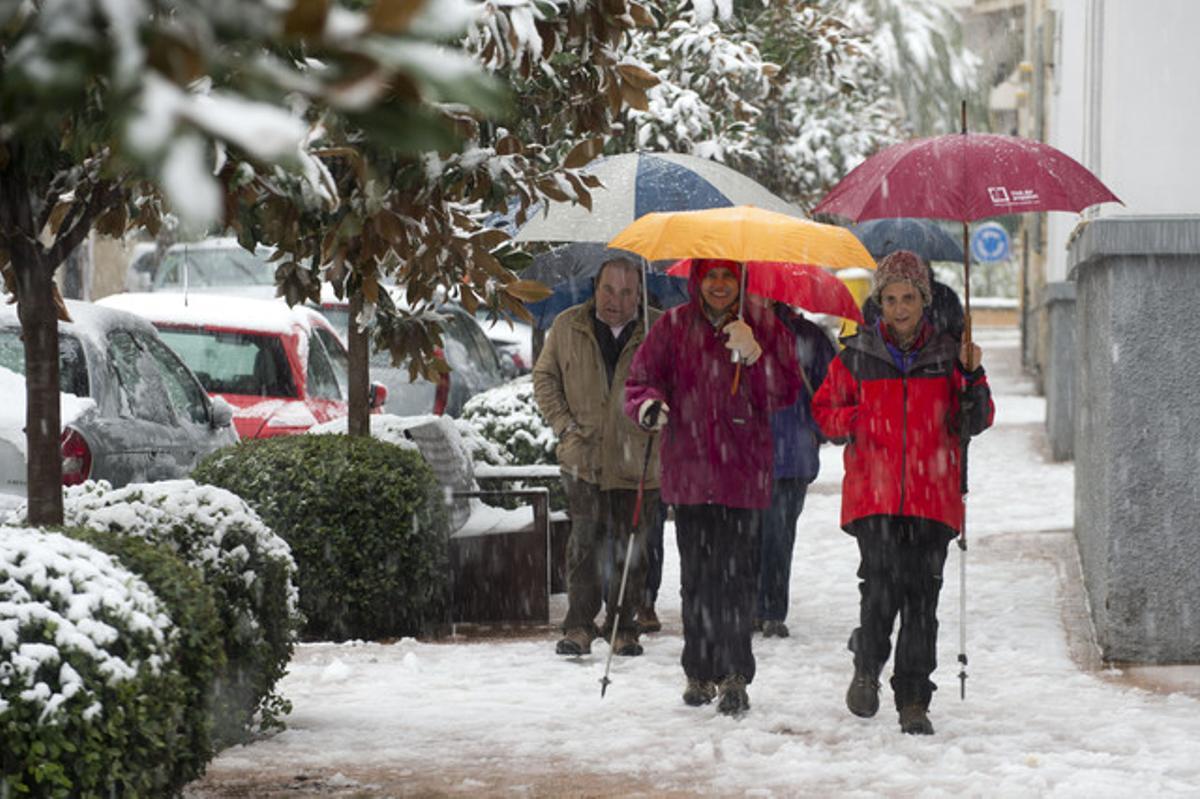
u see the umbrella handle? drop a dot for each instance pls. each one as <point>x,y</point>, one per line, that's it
<point>737,376</point>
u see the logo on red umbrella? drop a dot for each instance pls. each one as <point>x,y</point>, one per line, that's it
<point>999,195</point>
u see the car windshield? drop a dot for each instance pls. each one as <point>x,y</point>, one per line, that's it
<point>204,267</point>
<point>230,362</point>
<point>72,368</point>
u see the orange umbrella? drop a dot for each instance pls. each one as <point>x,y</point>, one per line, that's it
<point>742,233</point>
<point>757,238</point>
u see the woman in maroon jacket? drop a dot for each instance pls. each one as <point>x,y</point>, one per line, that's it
<point>717,456</point>
<point>894,397</point>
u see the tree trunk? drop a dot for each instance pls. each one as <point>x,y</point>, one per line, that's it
<point>359,344</point>
<point>39,332</point>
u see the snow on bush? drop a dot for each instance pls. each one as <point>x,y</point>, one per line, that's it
<point>508,417</point>
<point>249,567</point>
<point>92,698</point>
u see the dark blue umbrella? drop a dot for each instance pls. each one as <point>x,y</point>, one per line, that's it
<point>666,290</point>
<point>924,237</point>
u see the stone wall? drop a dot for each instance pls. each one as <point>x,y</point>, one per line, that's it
<point>1137,434</point>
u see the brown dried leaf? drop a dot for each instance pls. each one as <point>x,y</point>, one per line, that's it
<point>509,145</point>
<point>528,290</point>
<point>634,97</point>
<point>637,77</point>
<point>392,16</point>
<point>583,152</point>
<point>57,215</point>
<point>306,19</point>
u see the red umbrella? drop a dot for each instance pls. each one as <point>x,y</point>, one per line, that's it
<point>965,177</point>
<point>803,285</point>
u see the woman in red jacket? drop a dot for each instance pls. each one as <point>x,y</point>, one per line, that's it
<point>717,463</point>
<point>894,396</point>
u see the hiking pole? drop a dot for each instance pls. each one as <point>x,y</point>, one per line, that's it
<point>964,438</point>
<point>637,512</point>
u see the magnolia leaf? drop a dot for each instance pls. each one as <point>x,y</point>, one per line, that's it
<point>642,16</point>
<point>392,16</point>
<point>528,290</point>
<point>58,214</point>
<point>583,152</point>
<point>509,145</point>
<point>489,238</point>
<point>637,76</point>
<point>550,187</point>
<point>113,222</point>
<point>306,18</point>
<point>581,193</point>
<point>634,97</point>
<point>370,288</point>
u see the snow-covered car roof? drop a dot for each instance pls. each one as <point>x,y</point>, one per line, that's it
<point>88,320</point>
<point>242,313</point>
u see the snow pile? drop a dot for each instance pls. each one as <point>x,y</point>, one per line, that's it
<point>62,602</point>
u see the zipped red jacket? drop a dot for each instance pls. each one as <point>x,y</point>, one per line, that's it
<point>901,429</point>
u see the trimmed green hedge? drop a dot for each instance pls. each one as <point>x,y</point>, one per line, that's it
<point>102,693</point>
<point>366,523</point>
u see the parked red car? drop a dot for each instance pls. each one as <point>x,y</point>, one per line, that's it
<point>282,369</point>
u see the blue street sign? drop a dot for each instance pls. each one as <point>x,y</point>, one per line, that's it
<point>989,242</point>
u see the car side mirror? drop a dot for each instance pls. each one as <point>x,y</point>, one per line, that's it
<point>222,412</point>
<point>377,397</point>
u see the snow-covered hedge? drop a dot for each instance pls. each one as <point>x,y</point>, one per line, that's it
<point>508,416</point>
<point>249,568</point>
<point>366,523</point>
<point>101,693</point>
<point>507,419</point>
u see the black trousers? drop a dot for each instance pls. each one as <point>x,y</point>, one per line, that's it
<point>718,565</point>
<point>900,573</point>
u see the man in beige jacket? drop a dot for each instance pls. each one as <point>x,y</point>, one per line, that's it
<point>579,386</point>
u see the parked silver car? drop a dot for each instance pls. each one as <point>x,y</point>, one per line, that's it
<point>148,417</point>
<point>475,365</point>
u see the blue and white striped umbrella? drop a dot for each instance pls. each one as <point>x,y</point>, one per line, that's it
<point>636,184</point>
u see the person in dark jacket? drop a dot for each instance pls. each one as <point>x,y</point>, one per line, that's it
<point>945,311</point>
<point>897,395</point>
<point>579,386</point>
<point>716,463</point>
<point>797,463</point>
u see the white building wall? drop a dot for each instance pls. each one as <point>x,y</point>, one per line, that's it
<point>1126,104</point>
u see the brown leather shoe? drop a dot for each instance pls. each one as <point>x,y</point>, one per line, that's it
<point>627,644</point>
<point>647,620</point>
<point>577,641</point>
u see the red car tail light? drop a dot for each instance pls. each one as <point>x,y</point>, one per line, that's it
<point>77,457</point>
<point>442,395</point>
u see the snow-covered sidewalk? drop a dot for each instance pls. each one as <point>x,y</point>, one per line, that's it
<point>510,717</point>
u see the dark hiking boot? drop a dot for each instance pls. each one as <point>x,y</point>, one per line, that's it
<point>699,692</point>
<point>775,629</point>
<point>734,699</point>
<point>647,620</point>
<point>862,697</point>
<point>627,644</point>
<point>915,721</point>
<point>577,641</point>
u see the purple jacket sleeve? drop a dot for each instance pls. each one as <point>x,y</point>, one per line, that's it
<point>780,368</point>
<point>647,374</point>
